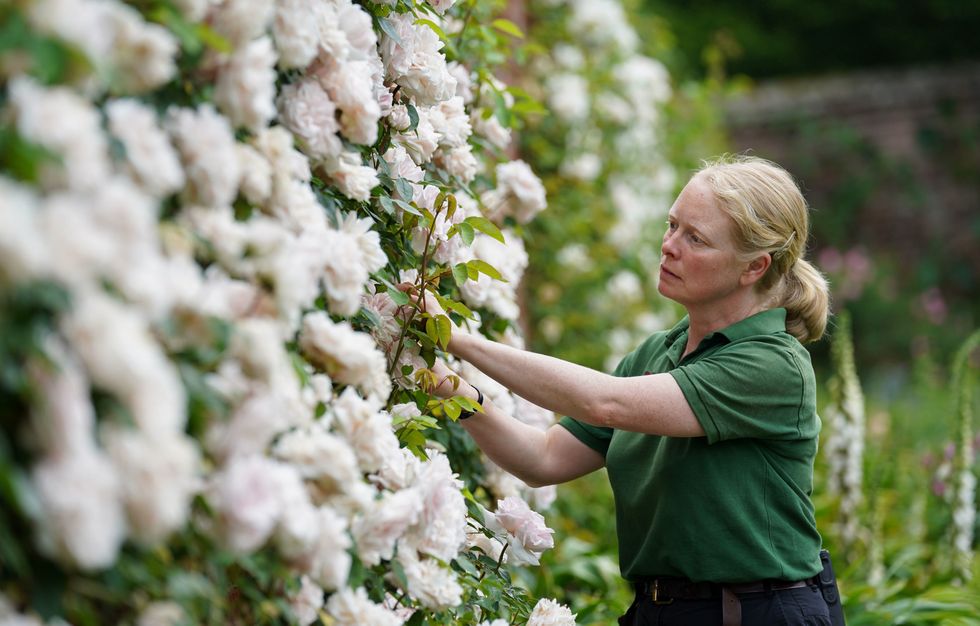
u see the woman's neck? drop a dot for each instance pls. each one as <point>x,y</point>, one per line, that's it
<point>703,322</point>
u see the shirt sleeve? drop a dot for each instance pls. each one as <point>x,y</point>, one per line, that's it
<point>598,437</point>
<point>750,390</point>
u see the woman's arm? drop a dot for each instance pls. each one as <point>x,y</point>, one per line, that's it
<point>538,457</point>
<point>651,404</point>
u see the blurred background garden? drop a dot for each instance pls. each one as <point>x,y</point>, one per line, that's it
<point>873,106</point>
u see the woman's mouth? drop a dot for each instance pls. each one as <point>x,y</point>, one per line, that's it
<point>666,272</point>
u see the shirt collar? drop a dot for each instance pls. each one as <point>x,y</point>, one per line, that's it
<point>763,323</point>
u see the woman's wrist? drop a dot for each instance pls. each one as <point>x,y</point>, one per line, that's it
<point>458,341</point>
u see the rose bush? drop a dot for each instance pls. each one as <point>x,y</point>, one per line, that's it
<point>214,405</point>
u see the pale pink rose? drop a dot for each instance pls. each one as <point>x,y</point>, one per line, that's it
<point>82,23</point>
<point>568,96</point>
<point>81,520</point>
<point>492,130</point>
<point>351,86</point>
<point>123,357</point>
<point>388,330</point>
<point>401,165</point>
<point>306,601</point>
<point>344,271</point>
<point>519,192</point>
<point>162,613</point>
<point>441,6</point>
<point>246,86</point>
<point>296,31</point>
<point>464,83</point>
<point>354,179</point>
<point>528,526</point>
<point>383,523</point>
<point>451,122</point>
<point>548,612</point>
<point>368,240</point>
<point>435,586</point>
<point>241,21</point>
<point>348,356</point>
<point>63,418</point>
<point>441,529</point>
<point>207,148</point>
<point>320,456</point>
<point>256,183</point>
<point>143,52</point>
<point>399,470</point>
<point>309,113</point>
<point>356,25</point>
<point>248,494</point>
<point>69,126</point>
<point>162,476</point>
<point>368,430</point>
<point>328,562</point>
<point>459,162</point>
<point>151,159</point>
<point>23,246</point>
<point>352,607</point>
<point>416,63</point>
<point>421,142</point>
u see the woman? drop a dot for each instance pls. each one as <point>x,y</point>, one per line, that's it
<point>708,430</point>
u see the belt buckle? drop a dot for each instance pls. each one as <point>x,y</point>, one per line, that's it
<point>655,596</point>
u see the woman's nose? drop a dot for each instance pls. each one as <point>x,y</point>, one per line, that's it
<point>668,246</point>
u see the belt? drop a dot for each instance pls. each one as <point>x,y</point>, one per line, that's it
<point>666,590</point>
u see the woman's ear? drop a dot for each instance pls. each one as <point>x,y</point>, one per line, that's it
<point>756,269</point>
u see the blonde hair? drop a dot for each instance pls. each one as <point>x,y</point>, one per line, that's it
<point>770,215</point>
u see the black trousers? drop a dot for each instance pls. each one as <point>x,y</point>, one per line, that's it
<point>803,606</point>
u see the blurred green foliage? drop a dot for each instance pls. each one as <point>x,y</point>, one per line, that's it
<point>780,37</point>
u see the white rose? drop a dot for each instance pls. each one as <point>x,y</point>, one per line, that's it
<point>308,112</point>
<point>246,85</point>
<point>207,148</point>
<point>152,160</point>
<point>81,519</point>
<point>548,612</point>
<point>350,607</point>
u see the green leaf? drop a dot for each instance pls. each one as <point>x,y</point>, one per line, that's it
<point>460,273</point>
<point>444,328</point>
<point>431,330</point>
<point>386,204</point>
<point>404,189</point>
<point>413,116</point>
<point>466,232</point>
<point>407,207</point>
<point>453,205</point>
<point>485,226</point>
<point>508,27</point>
<point>389,30</point>
<point>453,305</point>
<point>452,409</point>
<point>400,297</point>
<point>485,268</point>
<point>435,28</point>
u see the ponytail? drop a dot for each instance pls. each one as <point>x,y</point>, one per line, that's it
<point>806,300</point>
<point>771,215</point>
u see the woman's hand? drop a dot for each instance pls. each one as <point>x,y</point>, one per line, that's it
<point>448,382</point>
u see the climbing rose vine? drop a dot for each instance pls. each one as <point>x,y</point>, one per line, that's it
<point>213,394</point>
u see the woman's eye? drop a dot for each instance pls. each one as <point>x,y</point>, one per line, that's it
<point>696,239</point>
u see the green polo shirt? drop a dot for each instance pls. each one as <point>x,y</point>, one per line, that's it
<point>733,506</point>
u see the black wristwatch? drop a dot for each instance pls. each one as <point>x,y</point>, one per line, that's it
<point>464,414</point>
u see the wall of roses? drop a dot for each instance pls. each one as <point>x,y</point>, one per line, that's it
<point>212,393</point>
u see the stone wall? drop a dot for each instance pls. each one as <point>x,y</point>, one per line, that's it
<point>889,160</point>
